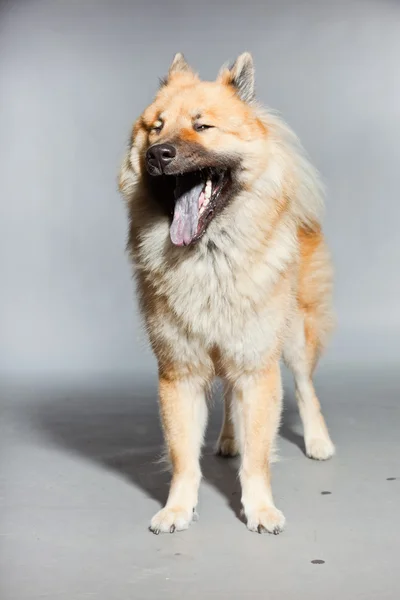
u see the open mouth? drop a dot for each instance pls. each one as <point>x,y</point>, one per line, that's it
<point>196,198</point>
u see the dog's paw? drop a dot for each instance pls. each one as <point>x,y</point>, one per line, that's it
<point>170,519</point>
<point>227,446</point>
<point>267,519</point>
<point>320,448</point>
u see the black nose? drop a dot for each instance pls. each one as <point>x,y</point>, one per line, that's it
<point>158,157</point>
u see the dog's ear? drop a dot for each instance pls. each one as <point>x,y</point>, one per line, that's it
<point>240,76</point>
<point>178,65</point>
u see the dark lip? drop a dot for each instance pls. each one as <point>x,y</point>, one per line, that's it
<point>181,173</point>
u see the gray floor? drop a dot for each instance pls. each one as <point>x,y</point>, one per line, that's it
<point>79,485</point>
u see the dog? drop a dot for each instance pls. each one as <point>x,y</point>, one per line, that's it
<point>232,275</point>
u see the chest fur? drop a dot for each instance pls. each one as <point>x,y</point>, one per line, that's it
<point>224,297</point>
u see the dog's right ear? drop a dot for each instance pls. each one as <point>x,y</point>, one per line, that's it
<point>179,65</point>
<point>240,76</point>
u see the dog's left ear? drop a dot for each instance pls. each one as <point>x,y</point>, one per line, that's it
<point>240,76</point>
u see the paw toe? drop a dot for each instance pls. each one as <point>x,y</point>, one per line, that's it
<point>266,520</point>
<point>227,447</point>
<point>169,520</point>
<point>320,448</point>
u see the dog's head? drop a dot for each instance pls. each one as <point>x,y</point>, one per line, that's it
<point>198,144</point>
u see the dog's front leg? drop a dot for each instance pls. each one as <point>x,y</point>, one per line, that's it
<point>257,409</point>
<point>183,410</point>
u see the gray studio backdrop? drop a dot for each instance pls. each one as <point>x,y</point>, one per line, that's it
<point>74,75</point>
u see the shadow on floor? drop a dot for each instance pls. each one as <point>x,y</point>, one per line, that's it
<point>290,424</point>
<point>122,432</point>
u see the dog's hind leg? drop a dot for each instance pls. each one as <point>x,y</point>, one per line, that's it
<point>301,355</point>
<point>227,444</point>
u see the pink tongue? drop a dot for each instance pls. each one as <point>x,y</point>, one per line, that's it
<point>186,216</point>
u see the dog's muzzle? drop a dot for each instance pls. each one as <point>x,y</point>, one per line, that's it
<point>158,157</point>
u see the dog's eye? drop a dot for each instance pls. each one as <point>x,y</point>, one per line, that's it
<point>157,126</point>
<point>201,127</point>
